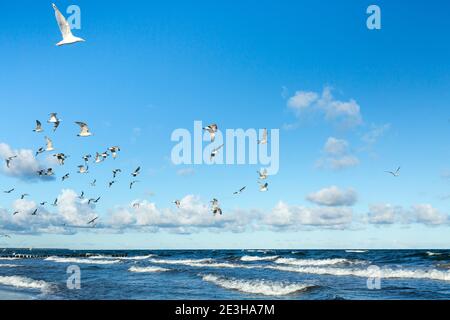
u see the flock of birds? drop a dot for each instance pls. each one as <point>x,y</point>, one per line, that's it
<point>69,38</point>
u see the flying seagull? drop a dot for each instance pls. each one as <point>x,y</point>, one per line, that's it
<point>38,127</point>
<point>34,212</point>
<point>264,187</point>
<point>64,27</point>
<point>61,157</point>
<point>15,213</point>
<point>84,130</point>
<point>49,172</point>
<point>86,158</point>
<point>55,203</point>
<point>9,191</point>
<point>8,161</point>
<point>50,146</point>
<point>136,172</point>
<point>40,150</point>
<point>83,169</point>
<point>212,129</point>
<point>240,190</point>
<point>23,196</point>
<point>93,220</point>
<point>215,152</point>
<point>94,200</point>
<point>114,151</point>
<point>65,177</point>
<point>215,207</point>
<point>81,195</point>
<point>115,172</point>
<point>111,183</point>
<point>93,183</point>
<point>132,183</point>
<point>396,173</point>
<point>264,139</point>
<point>53,118</point>
<point>136,205</point>
<point>263,174</point>
<point>99,158</point>
<point>56,125</point>
<point>178,203</point>
<point>43,203</point>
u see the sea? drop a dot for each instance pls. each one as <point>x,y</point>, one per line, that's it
<point>225,275</point>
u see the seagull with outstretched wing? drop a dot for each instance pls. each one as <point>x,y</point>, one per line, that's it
<point>38,127</point>
<point>84,129</point>
<point>64,27</point>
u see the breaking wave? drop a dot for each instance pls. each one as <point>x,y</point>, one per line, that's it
<point>259,287</point>
<point>256,258</point>
<point>312,262</point>
<point>356,251</point>
<point>201,263</point>
<point>25,283</point>
<point>82,261</point>
<point>147,269</point>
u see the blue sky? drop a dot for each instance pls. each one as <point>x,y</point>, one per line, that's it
<point>149,68</point>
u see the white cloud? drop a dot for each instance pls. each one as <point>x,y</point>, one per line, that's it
<point>345,112</point>
<point>384,214</point>
<point>334,197</point>
<point>426,214</point>
<point>337,155</point>
<point>295,217</point>
<point>24,167</point>
<point>375,133</point>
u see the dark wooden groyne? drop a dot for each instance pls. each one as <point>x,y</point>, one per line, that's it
<point>45,256</point>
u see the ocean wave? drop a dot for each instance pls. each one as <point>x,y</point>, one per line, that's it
<point>102,257</point>
<point>431,254</point>
<point>202,263</point>
<point>9,266</point>
<point>257,258</point>
<point>8,259</point>
<point>25,283</point>
<point>147,269</point>
<point>356,251</point>
<point>313,262</point>
<point>82,260</point>
<point>259,287</point>
<point>386,273</point>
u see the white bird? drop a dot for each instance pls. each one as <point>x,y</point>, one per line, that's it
<point>61,157</point>
<point>263,175</point>
<point>84,130</point>
<point>212,129</point>
<point>136,172</point>
<point>49,146</point>
<point>38,127</point>
<point>215,152</point>
<point>396,173</point>
<point>98,158</point>
<point>264,187</point>
<point>83,169</point>
<point>87,157</point>
<point>215,207</point>
<point>53,118</point>
<point>8,161</point>
<point>178,203</point>
<point>264,139</point>
<point>64,27</point>
<point>114,151</point>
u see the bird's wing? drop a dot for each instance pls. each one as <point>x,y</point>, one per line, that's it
<point>62,23</point>
<point>84,127</point>
<point>49,143</point>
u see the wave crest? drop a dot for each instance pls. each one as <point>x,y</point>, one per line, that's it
<point>147,269</point>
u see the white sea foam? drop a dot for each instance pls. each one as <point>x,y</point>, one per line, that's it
<point>259,287</point>
<point>202,263</point>
<point>257,258</point>
<point>433,253</point>
<point>147,269</point>
<point>313,262</point>
<point>102,257</point>
<point>9,266</point>
<point>25,283</point>
<point>356,251</point>
<point>9,259</point>
<point>386,273</point>
<point>81,260</point>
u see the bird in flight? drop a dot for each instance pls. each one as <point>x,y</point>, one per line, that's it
<point>178,203</point>
<point>212,129</point>
<point>83,169</point>
<point>215,152</point>
<point>132,183</point>
<point>38,127</point>
<point>84,130</point>
<point>34,212</point>
<point>64,27</point>
<point>114,151</point>
<point>40,150</point>
<point>94,200</point>
<point>93,220</point>
<point>49,144</point>
<point>263,175</point>
<point>264,139</point>
<point>54,120</point>
<point>65,177</point>
<point>61,157</point>
<point>215,207</point>
<point>43,203</point>
<point>24,196</point>
<point>9,160</point>
<point>264,187</point>
<point>81,195</point>
<point>115,172</point>
<point>136,172</point>
<point>55,203</point>
<point>15,213</point>
<point>86,158</point>
<point>93,183</point>
<point>111,183</point>
<point>240,191</point>
<point>100,157</point>
<point>396,173</point>
<point>9,191</point>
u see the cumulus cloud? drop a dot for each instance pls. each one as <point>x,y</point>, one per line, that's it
<point>334,197</point>
<point>345,112</point>
<point>426,214</point>
<point>284,216</point>
<point>24,167</point>
<point>193,215</point>
<point>337,155</point>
